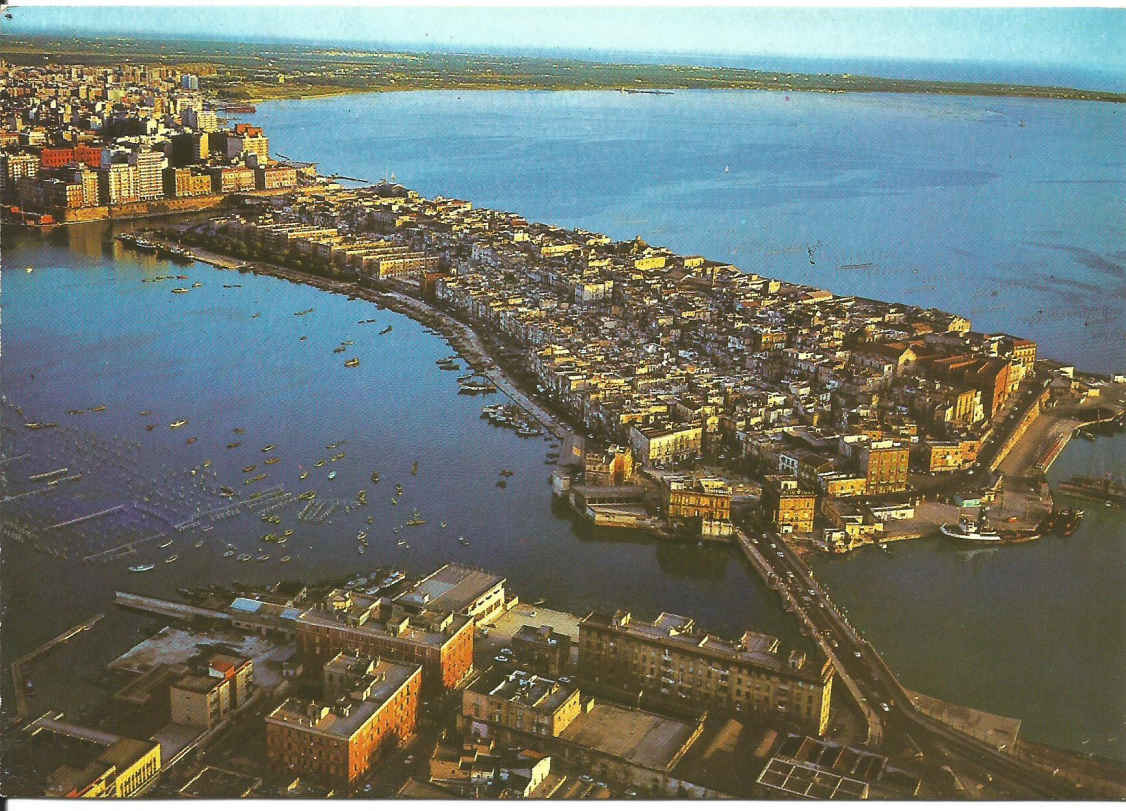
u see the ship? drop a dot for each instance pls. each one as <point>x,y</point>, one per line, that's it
<point>143,567</point>
<point>352,363</point>
<point>971,530</point>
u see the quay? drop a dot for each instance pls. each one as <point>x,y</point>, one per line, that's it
<point>17,666</point>
<point>167,608</point>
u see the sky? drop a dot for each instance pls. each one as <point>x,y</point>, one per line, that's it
<point>1076,37</point>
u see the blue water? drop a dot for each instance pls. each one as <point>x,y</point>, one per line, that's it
<point>1007,211</point>
<point>954,188</point>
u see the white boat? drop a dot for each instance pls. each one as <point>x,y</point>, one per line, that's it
<point>143,567</point>
<point>970,530</point>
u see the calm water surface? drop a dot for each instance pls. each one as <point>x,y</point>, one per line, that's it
<point>1001,209</point>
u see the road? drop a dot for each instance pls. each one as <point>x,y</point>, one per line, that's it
<point>902,727</point>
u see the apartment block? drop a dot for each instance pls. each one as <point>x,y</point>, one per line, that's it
<point>674,665</point>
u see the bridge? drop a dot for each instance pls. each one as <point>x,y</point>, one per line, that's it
<point>871,682</point>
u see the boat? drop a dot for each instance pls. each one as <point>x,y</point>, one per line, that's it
<point>177,424</point>
<point>332,474</point>
<point>267,449</point>
<point>143,567</point>
<point>352,363</point>
<point>171,558</point>
<point>971,530</point>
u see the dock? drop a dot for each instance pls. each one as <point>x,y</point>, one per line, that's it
<point>18,665</point>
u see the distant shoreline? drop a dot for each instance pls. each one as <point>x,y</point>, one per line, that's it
<point>234,72</point>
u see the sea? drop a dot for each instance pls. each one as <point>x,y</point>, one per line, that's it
<point>1003,210</point>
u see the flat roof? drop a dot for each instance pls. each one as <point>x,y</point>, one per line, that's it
<point>675,631</point>
<point>451,588</point>
<point>295,713</point>
<point>640,737</point>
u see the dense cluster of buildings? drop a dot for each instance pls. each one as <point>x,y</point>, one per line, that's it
<point>674,358</point>
<point>78,142</point>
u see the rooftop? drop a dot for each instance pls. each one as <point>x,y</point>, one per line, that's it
<point>344,717</point>
<point>525,689</point>
<point>639,737</point>
<point>450,588</point>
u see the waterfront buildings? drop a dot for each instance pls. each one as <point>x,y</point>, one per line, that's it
<point>440,641</point>
<point>125,128</point>
<point>461,589</point>
<point>670,663</point>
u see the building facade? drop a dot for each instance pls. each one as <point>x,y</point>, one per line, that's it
<point>673,665</point>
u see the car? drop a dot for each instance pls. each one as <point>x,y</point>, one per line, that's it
<point>884,706</point>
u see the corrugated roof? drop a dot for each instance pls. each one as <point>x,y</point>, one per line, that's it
<point>245,604</point>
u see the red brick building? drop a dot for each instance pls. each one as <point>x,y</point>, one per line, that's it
<point>338,741</point>
<point>440,641</point>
